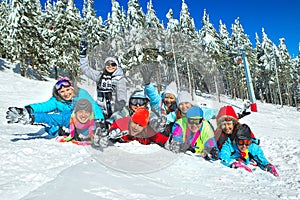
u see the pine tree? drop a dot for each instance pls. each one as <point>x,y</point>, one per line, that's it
<point>24,26</point>
<point>3,27</point>
<point>66,38</point>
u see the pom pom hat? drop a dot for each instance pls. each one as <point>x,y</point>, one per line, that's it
<point>83,104</point>
<point>184,96</point>
<point>171,89</point>
<point>194,112</point>
<point>227,112</point>
<point>141,116</point>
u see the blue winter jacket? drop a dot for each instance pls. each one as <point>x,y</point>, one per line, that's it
<point>230,153</point>
<point>56,113</point>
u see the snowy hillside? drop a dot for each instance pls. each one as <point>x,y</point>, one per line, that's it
<point>34,166</point>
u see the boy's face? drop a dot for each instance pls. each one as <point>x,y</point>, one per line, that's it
<point>135,128</point>
<point>82,116</point>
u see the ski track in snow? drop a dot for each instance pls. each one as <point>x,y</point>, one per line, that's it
<point>34,166</point>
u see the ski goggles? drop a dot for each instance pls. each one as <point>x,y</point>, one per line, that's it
<point>62,83</point>
<point>113,64</point>
<point>195,121</point>
<point>227,120</point>
<point>243,142</point>
<point>135,102</point>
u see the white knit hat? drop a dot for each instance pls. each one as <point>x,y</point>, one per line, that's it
<point>171,89</point>
<point>114,59</point>
<point>184,96</point>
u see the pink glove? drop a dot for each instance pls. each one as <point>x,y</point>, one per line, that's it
<point>272,169</point>
<point>240,165</point>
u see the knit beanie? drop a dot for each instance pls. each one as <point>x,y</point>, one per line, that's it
<point>83,104</point>
<point>194,112</point>
<point>113,59</point>
<point>243,132</point>
<point>141,116</point>
<point>184,96</point>
<point>171,89</point>
<point>226,112</point>
<point>139,94</point>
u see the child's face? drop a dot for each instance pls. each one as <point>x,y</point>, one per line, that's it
<point>184,106</point>
<point>243,145</point>
<point>169,99</point>
<point>194,124</point>
<point>135,128</point>
<point>66,93</point>
<point>82,116</point>
<point>227,127</point>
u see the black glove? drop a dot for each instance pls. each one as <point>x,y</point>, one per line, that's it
<point>83,48</point>
<point>146,71</point>
<point>19,115</point>
<point>243,114</point>
<point>158,124</point>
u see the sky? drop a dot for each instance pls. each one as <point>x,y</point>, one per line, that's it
<point>279,18</point>
<point>35,166</point>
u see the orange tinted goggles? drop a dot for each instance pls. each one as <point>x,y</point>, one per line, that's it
<point>244,142</point>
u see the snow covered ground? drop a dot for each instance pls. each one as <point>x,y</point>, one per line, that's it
<point>34,166</point>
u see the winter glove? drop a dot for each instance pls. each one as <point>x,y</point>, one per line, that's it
<point>83,48</point>
<point>19,115</point>
<point>158,124</point>
<point>238,164</point>
<point>117,133</point>
<point>211,153</point>
<point>243,114</point>
<point>101,134</point>
<point>146,72</point>
<point>63,131</point>
<point>174,146</point>
<point>272,169</point>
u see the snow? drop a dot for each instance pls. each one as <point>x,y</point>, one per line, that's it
<point>34,166</point>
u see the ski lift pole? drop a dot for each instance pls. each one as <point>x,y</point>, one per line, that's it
<point>249,83</point>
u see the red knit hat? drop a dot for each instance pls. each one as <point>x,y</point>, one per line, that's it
<point>226,111</point>
<point>141,116</point>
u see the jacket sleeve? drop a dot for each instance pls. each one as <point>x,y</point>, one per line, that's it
<point>121,91</point>
<point>159,139</point>
<point>72,126</point>
<point>177,133</point>
<point>258,156</point>
<point>88,71</point>
<point>152,93</point>
<point>45,107</point>
<point>225,154</point>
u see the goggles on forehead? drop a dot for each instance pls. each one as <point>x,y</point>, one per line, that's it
<point>243,142</point>
<point>226,122</point>
<point>194,121</point>
<point>62,83</point>
<point>136,101</point>
<point>109,63</point>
